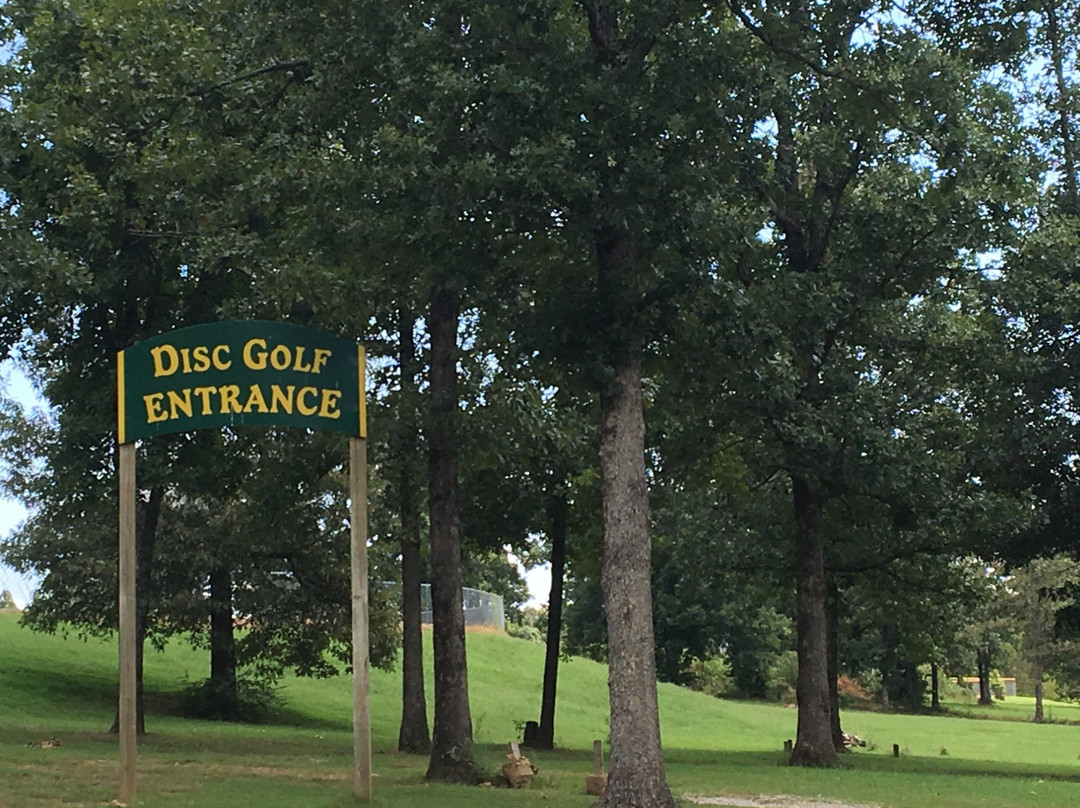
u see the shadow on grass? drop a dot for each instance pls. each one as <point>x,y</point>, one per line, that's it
<point>288,717</point>
<point>72,692</point>
<point>79,695</point>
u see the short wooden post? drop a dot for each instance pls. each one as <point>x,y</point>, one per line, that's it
<point>788,746</point>
<point>361,673</point>
<point>127,711</point>
<point>596,783</point>
<point>896,750</point>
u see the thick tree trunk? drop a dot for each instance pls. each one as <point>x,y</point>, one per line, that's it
<point>636,778</point>
<point>814,740</point>
<point>223,646</point>
<point>832,615</point>
<point>452,743</point>
<point>1037,673</point>
<point>982,662</point>
<point>144,559</point>
<point>935,690</point>
<point>413,736</point>
<point>545,734</point>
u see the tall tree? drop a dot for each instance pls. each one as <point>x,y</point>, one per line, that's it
<point>1040,590</point>
<point>844,140</point>
<point>451,748</point>
<point>413,736</point>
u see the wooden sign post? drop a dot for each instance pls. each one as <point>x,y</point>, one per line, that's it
<point>360,659</point>
<point>128,717</point>
<point>237,374</point>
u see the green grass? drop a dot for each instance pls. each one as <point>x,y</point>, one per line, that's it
<point>1019,708</point>
<point>56,688</point>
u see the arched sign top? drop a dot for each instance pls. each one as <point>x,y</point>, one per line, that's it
<point>237,373</point>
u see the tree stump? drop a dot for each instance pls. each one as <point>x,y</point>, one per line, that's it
<point>518,770</point>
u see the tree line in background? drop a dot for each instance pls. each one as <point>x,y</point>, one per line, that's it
<point>757,320</point>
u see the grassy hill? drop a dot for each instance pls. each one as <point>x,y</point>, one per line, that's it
<point>56,688</point>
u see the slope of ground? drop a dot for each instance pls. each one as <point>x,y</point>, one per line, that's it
<point>52,688</point>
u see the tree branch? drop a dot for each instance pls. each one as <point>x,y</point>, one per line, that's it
<point>277,67</point>
<point>786,50</point>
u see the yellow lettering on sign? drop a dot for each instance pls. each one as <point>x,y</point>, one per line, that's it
<point>204,394</point>
<point>299,366</point>
<point>280,357</point>
<point>255,400</point>
<point>216,358</point>
<point>166,360</point>
<point>321,355</point>
<point>301,407</point>
<point>230,398</point>
<point>328,407</point>
<point>255,360</point>
<point>201,355</point>
<point>154,412</point>
<point>282,398</point>
<point>178,403</point>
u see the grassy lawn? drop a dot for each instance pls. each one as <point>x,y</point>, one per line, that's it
<point>1019,708</point>
<point>65,689</point>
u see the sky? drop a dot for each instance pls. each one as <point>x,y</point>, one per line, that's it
<point>538,580</point>
<point>16,385</point>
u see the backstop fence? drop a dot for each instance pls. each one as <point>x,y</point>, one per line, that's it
<point>481,608</point>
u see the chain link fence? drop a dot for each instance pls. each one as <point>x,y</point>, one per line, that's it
<point>481,608</point>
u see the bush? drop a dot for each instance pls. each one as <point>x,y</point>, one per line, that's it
<point>950,689</point>
<point>782,677</point>
<point>711,675</point>
<point>851,694</point>
<point>256,701</point>
<point>525,632</point>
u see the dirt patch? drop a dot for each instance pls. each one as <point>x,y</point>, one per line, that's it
<point>774,801</point>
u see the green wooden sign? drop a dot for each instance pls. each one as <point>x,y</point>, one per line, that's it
<point>239,373</point>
